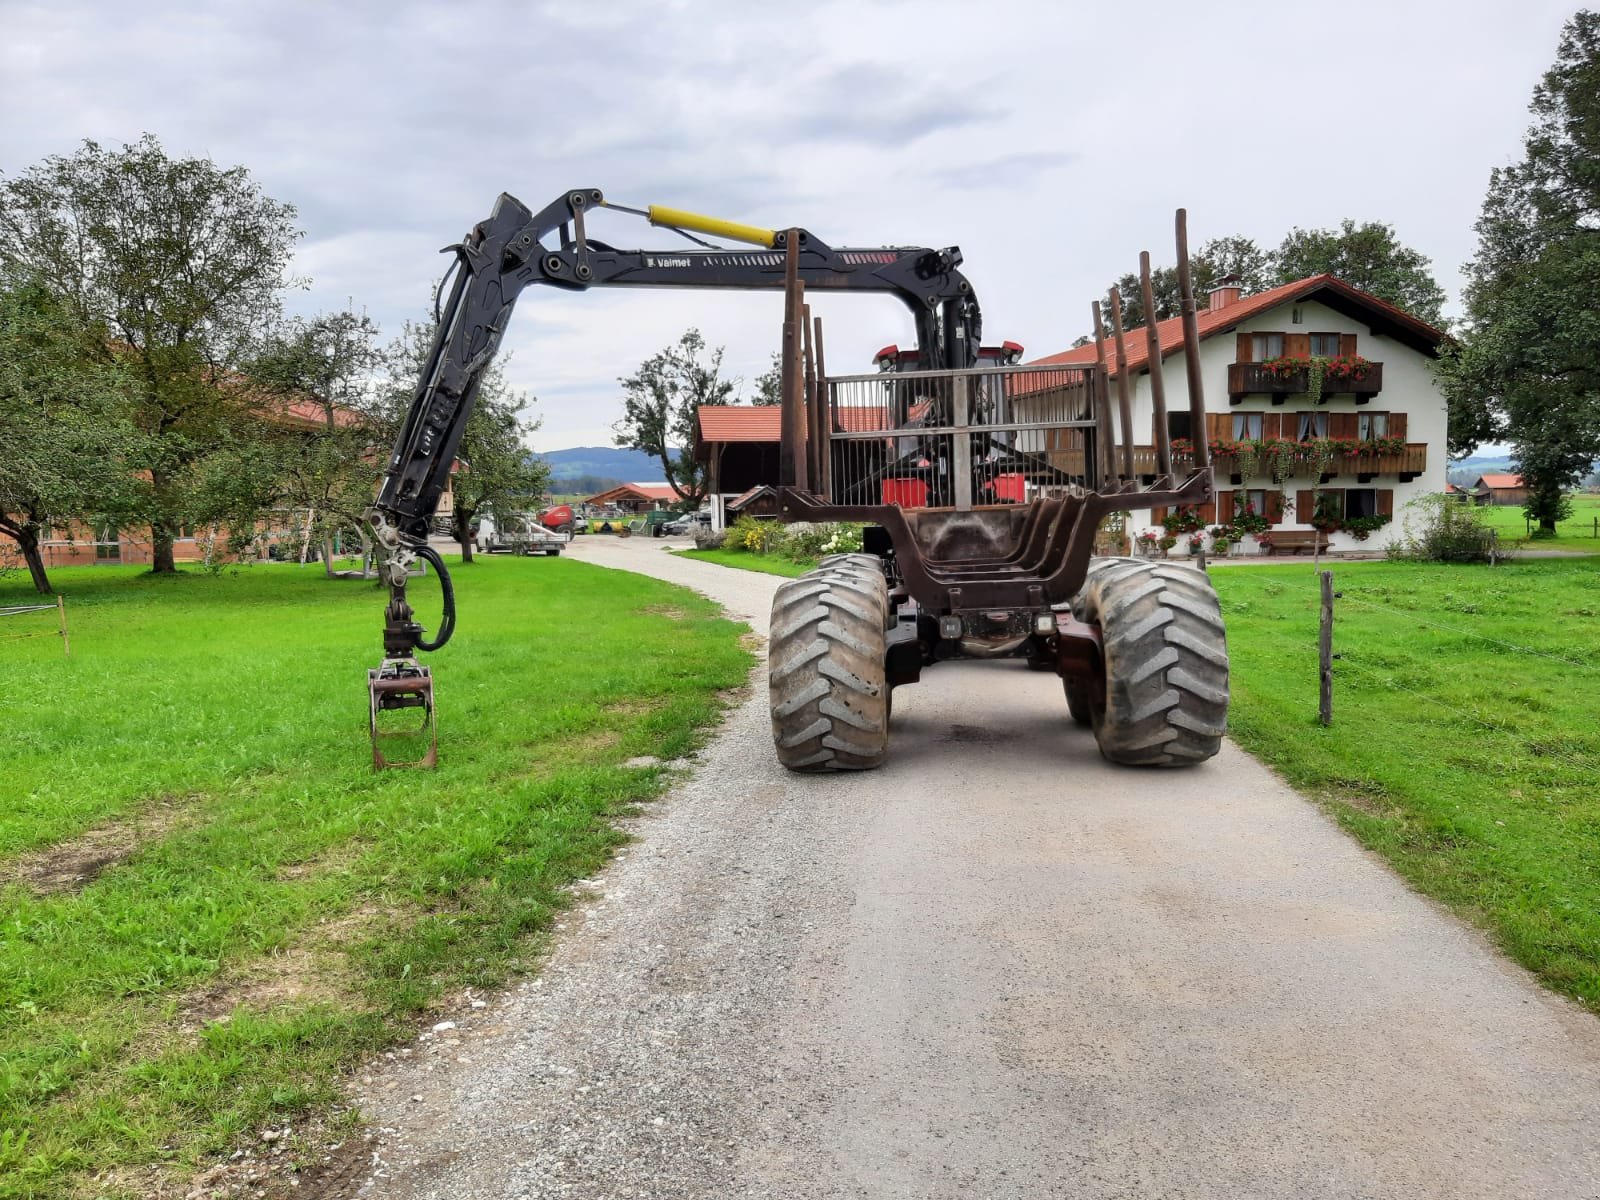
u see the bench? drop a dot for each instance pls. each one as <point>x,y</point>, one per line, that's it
<point>1296,541</point>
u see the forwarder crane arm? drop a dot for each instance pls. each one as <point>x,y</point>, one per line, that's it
<point>516,248</point>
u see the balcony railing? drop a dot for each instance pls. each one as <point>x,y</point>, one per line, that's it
<point>1411,461</point>
<point>1254,379</point>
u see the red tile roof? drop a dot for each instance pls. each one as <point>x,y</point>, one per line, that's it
<point>763,423</point>
<point>1211,322</point>
<point>1500,481</point>
<point>637,491</point>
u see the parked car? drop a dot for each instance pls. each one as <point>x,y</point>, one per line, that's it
<point>688,523</point>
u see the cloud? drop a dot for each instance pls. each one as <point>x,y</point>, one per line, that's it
<point>1051,142</point>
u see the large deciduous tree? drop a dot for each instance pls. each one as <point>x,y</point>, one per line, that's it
<point>660,401</point>
<point>495,471</point>
<point>177,265</point>
<point>67,442</point>
<point>1369,256</point>
<point>325,368</point>
<point>1528,366</point>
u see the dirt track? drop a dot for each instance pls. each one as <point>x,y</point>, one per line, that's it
<point>996,968</point>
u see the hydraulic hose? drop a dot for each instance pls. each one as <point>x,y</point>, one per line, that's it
<point>447,623</point>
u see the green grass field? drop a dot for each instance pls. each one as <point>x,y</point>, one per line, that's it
<point>767,564</point>
<point>211,905</point>
<point>1575,533</point>
<point>1464,746</point>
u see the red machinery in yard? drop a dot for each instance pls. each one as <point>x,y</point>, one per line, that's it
<point>982,485</point>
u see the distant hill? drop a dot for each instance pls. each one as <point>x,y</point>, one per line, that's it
<point>603,462</point>
<point>1468,469</point>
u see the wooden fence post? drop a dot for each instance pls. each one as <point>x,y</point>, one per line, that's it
<point>1325,651</point>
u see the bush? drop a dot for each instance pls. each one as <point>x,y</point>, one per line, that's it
<point>755,536</point>
<point>1440,528</point>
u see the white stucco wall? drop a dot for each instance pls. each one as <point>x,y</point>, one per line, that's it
<point>1408,387</point>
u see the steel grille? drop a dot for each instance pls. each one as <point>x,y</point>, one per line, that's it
<point>991,435</point>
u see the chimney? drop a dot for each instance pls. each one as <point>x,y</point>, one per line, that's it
<point>1226,292</point>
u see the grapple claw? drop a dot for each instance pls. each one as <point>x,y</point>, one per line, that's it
<point>402,683</point>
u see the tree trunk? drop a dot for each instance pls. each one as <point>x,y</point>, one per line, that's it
<point>462,517</point>
<point>327,556</point>
<point>161,560</point>
<point>27,540</point>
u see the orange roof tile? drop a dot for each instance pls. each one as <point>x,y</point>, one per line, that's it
<point>1210,322</point>
<point>763,423</point>
<point>1500,481</point>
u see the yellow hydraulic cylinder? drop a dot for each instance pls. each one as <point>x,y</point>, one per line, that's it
<point>677,218</point>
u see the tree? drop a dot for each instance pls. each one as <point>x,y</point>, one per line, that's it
<point>65,427</point>
<point>1220,257</point>
<point>660,401</point>
<point>1366,255</point>
<point>327,364</point>
<point>1528,366</point>
<point>769,384</point>
<point>175,266</point>
<point>495,472</point>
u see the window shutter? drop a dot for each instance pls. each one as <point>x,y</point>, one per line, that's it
<point>1219,426</point>
<point>1208,513</point>
<point>1342,425</point>
<point>1397,425</point>
<point>1305,504</point>
<point>1157,515</point>
<point>1272,426</point>
<point>1297,344</point>
<point>1386,502</point>
<point>1347,343</point>
<point>1224,507</point>
<point>1246,349</point>
<point>1275,507</point>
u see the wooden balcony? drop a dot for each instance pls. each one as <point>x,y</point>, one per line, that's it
<point>1253,379</point>
<point>1406,464</point>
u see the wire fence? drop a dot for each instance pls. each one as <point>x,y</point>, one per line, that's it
<point>22,610</point>
<point>1349,673</point>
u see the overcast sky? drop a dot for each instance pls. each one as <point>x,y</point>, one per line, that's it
<point>1051,142</point>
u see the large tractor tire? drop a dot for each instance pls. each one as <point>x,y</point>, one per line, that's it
<point>830,698</point>
<point>1166,661</point>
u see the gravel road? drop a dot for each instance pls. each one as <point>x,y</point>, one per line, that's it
<point>997,968</point>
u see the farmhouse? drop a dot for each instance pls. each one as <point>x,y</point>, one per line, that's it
<point>1499,490</point>
<point>637,497</point>
<point>1321,407</point>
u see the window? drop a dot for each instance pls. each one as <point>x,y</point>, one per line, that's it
<point>1312,425</point>
<point>1325,345</point>
<point>107,545</point>
<point>1178,425</point>
<point>1360,502</point>
<point>1266,345</point>
<point>1372,425</point>
<point>1246,425</point>
<point>1250,503</point>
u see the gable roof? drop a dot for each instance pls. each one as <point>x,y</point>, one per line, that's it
<point>1338,295</point>
<point>637,491</point>
<point>764,422</point>
<point>1500,481</point>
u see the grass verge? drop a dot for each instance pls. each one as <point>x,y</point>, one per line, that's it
<point>212,906</point>
<point>1575,533</point>
<point>1463,746</point>
<point>768,564</point>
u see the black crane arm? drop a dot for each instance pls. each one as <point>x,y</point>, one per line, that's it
<point>515,248</point>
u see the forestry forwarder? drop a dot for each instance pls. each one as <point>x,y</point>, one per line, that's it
<point>982,486</point>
